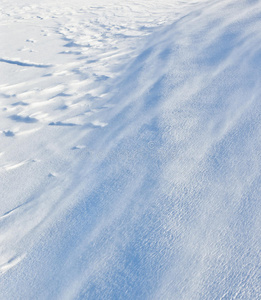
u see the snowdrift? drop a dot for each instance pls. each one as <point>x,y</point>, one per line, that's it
<point>161,196</point>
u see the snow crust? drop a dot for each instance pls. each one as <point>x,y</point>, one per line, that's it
<point>130,149</point>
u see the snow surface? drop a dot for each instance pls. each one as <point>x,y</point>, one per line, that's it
<point>130,150</point>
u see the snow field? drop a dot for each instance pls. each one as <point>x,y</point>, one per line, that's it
<point>130,153</point>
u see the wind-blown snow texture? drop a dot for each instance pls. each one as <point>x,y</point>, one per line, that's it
<point>130,149</point>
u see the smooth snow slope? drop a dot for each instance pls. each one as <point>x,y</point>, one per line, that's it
<point>130,164</point>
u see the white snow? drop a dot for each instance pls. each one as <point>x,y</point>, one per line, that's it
<point>130,149</point>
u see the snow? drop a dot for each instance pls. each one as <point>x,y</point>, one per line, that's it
<point>129,149</point>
